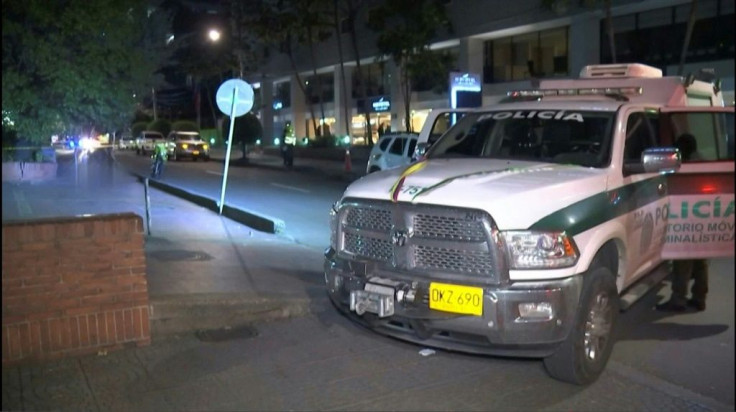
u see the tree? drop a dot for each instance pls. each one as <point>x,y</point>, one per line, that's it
<point>73,66</point>
<point>248,130</point>
<point>405,30</point>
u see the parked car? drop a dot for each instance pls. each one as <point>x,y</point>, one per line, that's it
<point>187,145</point>
<point>126,142</point>
<point>146,141</point>
<point>392,150</point>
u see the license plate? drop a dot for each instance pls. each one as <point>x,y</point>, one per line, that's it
<point>456,299</point>
<point>196,152</point>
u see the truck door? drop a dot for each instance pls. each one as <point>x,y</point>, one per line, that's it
<point>701,194</point>
<point>644,193</point>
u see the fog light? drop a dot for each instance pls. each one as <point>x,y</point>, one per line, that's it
<point>535,311</point>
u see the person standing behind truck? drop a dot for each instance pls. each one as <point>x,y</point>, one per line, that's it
<point>684,270</point>
<point>287,145</point>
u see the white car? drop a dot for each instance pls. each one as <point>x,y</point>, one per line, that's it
<point>392,150</point>
<point>147,141</point>
<point>187,145</point>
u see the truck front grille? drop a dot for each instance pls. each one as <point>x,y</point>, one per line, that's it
<point>421,239</point>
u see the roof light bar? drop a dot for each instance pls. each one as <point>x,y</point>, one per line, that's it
<point>588,91</point>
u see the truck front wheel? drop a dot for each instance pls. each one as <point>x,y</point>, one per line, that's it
<point>582,357</point>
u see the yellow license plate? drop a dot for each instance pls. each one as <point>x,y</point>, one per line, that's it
<point>196,152</point>
<point>456,299</point>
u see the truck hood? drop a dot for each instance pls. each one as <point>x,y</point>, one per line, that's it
<point>515,193</point>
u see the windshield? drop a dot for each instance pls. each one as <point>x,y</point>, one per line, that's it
<point>551,136</point>
<point>181,136</point>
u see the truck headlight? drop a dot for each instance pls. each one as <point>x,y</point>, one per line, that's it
<point>333,225</point>
<point>539,250</point>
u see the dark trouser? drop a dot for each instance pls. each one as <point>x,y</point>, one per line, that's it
<point>683,271</point>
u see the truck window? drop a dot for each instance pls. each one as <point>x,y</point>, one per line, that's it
<point>580,138</point>
<point>397,147</point>
<point>640,135</point>
<point>441,124</point>
<point>713,133</point>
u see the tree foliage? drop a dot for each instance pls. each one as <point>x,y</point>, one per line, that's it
<point>247,130</point>
<point>74,65</point>
<point>405,29</point>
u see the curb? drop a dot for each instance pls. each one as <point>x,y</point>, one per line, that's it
<point>245,217</point>
<point>177,314</point>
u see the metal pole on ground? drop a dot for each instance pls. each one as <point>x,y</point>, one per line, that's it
<point>148,207</point>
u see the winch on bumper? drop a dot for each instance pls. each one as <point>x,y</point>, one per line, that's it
<point>516,319</point>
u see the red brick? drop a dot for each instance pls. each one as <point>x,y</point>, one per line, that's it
<point>14,342</point>
<point>131,280</point>
<point>6,340</point>
<point>112,327</point>
<point>41,280</point>
<point>74,331</point>
<point>133,297</point>
<point>24,331</point>
<point>45,328</point>
<point>28,291</point>
<point>137,323</point>
<point>37,349</point>
<point>138,270</point>
<point>140,286</point>
<point>129,262</point>
<point>61,304</point>
<point>54,335</point>
<point>37,246</point>
<point>129,328</point>
<point>18,271</point>
<point>83,330</point>
<point>119,326</point>
<point>76,276</point>
<point>96,266</point>
<point>11,283</point>
<point>82,310</point>
<point>26,309</point>
<point>10,319</point>
<point>99,299</point>
<point>39,316</point>
<point>102,328</point>
<point>66,335</point>
<point>145,322</point>
<point>94,330</point>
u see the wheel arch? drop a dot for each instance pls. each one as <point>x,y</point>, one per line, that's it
<point>605,246</point>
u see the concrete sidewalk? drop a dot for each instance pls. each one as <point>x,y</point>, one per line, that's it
<point>204,270</point>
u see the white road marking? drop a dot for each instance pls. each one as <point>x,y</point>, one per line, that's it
<point>298,189</point>
<point>214,173</point>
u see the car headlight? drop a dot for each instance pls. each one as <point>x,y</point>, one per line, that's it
<point>539,250</point>
<point>205,147</point>
<point>375,157</point>
<point>333,224</point>
<point>184,146</point>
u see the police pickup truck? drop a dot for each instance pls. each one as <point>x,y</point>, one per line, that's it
<point>529,225</point>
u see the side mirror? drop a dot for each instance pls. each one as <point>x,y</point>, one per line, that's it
<point>661,160</point>
<point>419,151</point>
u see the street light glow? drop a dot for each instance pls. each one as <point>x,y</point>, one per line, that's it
<point>214,34</point>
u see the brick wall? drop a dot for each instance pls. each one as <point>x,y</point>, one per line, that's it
<point>72,286</point>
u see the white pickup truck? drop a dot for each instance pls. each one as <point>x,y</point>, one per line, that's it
<point>529,224</point>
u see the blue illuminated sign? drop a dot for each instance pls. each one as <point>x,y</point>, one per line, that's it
<point>466,83</point>
<point>381,105</point>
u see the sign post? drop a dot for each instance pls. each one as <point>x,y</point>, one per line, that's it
<point>234,98</point>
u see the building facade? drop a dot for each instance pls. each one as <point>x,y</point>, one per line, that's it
<point>503,46</point>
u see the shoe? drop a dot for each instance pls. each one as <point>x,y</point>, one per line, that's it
<point>671,306</point>
<point>696,304</point>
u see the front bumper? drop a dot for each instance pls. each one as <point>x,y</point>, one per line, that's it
<point>404,312</point>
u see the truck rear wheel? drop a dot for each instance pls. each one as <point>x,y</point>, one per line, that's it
<point>583,355</point>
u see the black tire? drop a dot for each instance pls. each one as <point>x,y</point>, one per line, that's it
<point>581,358</point>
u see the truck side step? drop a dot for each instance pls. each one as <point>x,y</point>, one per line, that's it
<point>643,286</point>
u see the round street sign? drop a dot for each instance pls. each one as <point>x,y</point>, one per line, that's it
<point>243,97</point>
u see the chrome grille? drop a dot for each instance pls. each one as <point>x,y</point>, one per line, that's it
<point>460,261</point>
<point>375,219</point>
<point>422,239</point>
<point>369,247</point>
<point>448,228</point>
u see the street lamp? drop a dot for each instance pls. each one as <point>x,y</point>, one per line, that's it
<point>214,34</point>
